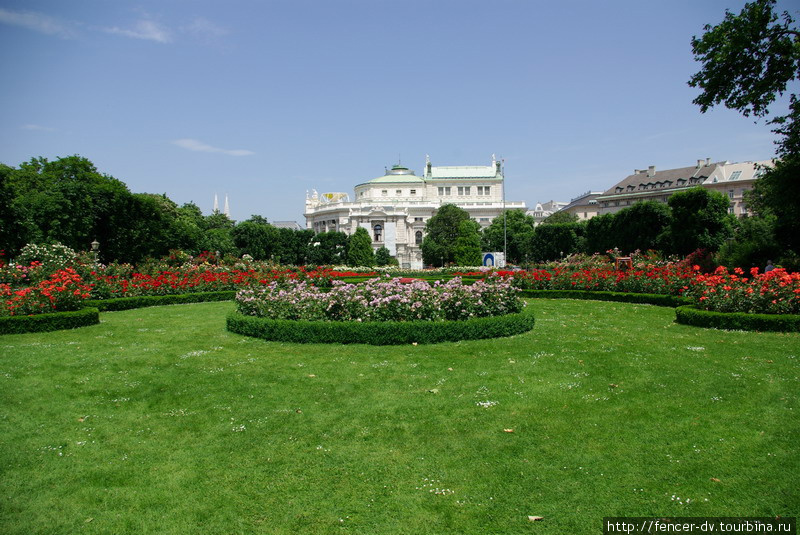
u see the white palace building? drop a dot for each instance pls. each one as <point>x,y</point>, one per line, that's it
<point>395,207</point>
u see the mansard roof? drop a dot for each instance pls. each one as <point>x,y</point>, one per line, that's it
<point>668,178</point>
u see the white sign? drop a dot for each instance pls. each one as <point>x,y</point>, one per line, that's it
<point>494,259</point>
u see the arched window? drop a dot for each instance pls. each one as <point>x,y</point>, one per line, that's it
<point>418,237</point>
<point>377,230</point>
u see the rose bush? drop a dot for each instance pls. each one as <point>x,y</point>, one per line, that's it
<point>776,292</point>
<point>381,300</point>
<point>62,291</point>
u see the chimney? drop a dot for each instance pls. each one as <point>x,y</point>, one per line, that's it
<point>700,163</point>
<point>637,171</point>
<point>708,161</point>
<point>651,171</point>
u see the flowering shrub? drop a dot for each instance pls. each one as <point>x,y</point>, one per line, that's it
<point>381,300</point>
<point>62,291</point>
<point>37,262</point>
<point>672,279</point>
<point>776,292</point>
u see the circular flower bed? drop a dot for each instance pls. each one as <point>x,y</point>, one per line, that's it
<point>381,312</point>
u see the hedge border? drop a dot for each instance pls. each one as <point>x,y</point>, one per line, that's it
<point>51,321</point>
<point>128,303</point>
<point>623,297</point>
<point>380,332</point>
<point>737,321</point>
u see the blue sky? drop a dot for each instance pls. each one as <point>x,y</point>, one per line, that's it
<point>264,100</point>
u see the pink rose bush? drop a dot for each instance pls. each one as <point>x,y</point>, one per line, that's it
<point>381,300</point>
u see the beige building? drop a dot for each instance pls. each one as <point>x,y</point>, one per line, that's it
<point>584,206</point>
<point>395,207</point>
<point>731,179</point>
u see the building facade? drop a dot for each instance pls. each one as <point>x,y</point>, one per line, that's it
<point>395,207</point>
<point>584,206</point>
<point>731,179</point>
<point>544,210</point>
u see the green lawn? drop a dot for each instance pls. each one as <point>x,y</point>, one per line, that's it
<point>159,421</point>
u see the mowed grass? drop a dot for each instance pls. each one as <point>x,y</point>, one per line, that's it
<point>159,421</point>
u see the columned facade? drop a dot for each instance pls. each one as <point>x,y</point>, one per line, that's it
<point>395,207</point>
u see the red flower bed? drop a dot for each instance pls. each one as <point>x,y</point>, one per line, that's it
<point>62,291</point>
<point>776,292</point>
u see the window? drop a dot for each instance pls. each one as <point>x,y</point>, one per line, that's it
<point>735,175</point>
<point>730,194</point>
<point>730,208</point>
<point>384,193</point>
<point>413,192</point>
<point>483,190</point>
<point>377,230</point>
<point>463,190</point>
<point>418,237</point>
<point>417,220</point>
<point>441,191</point>
<point>398,192</point>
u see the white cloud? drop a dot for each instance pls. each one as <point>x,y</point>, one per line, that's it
<point>38,127</point>
<point>199,146</point>
<point>37,22</point>
<point>144,29</point>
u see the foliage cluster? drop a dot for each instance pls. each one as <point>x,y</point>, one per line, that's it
<point>381,300</point>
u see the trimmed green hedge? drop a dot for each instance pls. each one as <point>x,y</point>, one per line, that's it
<point>53,321</point>
<point>380,332</point>
<point>127,303</point>
<point>739,321</point>
<point>624,297</point>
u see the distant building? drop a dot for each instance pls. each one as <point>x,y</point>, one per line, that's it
<point>543,210</point>
<point>294,225</point>
<point>584,206</point>
<point>395,207</point>
<point>731,179</point>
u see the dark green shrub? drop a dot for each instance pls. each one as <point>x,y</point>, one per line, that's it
<point>737,321</point>
<point>380,332</point>
<point>128,303</point>
<point>53,321</point>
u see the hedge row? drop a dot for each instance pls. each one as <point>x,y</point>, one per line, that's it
<point>380,332</point>
<point>127,303</point>
<point>53,321</point>
<point>739,321</point>
<point>624,297</point>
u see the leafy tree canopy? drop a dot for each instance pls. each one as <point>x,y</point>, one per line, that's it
<point>514,231</point>
<point>359,252</point>
<point>441,233</point>
<point>747,61</point>
<point>560,217</point>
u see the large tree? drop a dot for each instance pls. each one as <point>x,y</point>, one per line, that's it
<point>513,231</point>
<point>467,251</point>
<point>700,220</point>
<point>359,252</point>
<point>747,62</point>
<point>641,227</point>
<point>441,233</point>
<point>255,237</point>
